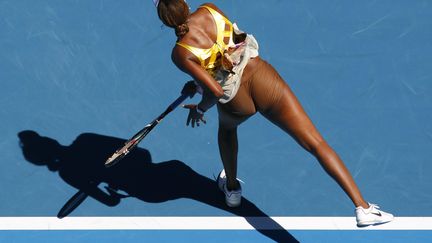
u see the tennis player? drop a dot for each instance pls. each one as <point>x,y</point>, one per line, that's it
<point>227,69</point>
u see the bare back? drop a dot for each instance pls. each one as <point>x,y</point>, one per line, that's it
<point>202,34</point>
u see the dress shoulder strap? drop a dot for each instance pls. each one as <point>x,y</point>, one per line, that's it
<point>223,24</point>
<point>215,13</point>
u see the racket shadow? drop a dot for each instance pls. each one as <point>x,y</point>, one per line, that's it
<point>81,165</point>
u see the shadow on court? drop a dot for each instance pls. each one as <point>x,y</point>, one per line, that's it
<point>81,165</point>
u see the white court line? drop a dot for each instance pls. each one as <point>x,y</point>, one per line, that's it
<point>205,223</point>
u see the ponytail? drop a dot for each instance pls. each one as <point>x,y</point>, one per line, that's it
<point>181,30</point>
<point>174,14</point>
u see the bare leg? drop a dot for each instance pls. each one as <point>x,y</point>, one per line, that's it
<point>290,116</point>
<point>228,148</point>
<point>287,113</point>
<point>231,115</point>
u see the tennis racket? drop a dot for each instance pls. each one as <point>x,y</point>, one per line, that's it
<point>136,139</point>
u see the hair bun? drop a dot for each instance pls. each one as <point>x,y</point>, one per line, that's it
<point>181,30</point>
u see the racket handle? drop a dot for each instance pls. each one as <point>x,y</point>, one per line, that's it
<point>178,101</point>
<point>171,107</point>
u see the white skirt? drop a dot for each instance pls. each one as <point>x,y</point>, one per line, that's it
<point>230,81</point>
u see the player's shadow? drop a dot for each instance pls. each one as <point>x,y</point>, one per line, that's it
<point>81,165</point>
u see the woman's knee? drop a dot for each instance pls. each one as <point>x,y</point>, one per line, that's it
<point>319,148</point>
<point>226,130</point>
<point>314,144</point>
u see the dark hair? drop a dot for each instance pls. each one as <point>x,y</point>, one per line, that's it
<point>174,14</point>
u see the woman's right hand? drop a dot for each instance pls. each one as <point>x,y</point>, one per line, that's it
<point>194,117</point>
<point>191,87</point>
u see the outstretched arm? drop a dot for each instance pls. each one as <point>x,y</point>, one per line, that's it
<point>212,91</point>
<point>190,64</point>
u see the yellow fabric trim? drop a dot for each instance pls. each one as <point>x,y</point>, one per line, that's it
<point>220,21</point>
<point>201,54</point>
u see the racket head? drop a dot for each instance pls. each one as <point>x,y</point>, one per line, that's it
<point>122,152</point>
<point>129,145</point>
<point>114,159</point>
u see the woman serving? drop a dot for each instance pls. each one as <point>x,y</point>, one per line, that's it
<point>226,67</point>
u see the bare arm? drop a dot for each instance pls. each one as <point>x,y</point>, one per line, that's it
<point>189,64</point>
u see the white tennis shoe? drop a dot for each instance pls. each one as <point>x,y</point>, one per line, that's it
<point>371,216</point>
<point>232,198</point>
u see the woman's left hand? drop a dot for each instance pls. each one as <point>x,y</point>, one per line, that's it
<point>194,116</point>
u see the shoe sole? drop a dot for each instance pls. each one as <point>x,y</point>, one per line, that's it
<point>372,223</point>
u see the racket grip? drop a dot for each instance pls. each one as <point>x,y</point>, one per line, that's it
<point>171,107</point>
<point>178,101</point>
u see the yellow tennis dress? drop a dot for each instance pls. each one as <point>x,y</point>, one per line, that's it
<point>211,58</point>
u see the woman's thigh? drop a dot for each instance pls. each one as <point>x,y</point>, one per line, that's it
<point>275,100</point>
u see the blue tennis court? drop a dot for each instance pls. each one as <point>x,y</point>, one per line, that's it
<point>78,78</point>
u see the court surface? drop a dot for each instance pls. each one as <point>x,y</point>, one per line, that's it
<point>79,77</point>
